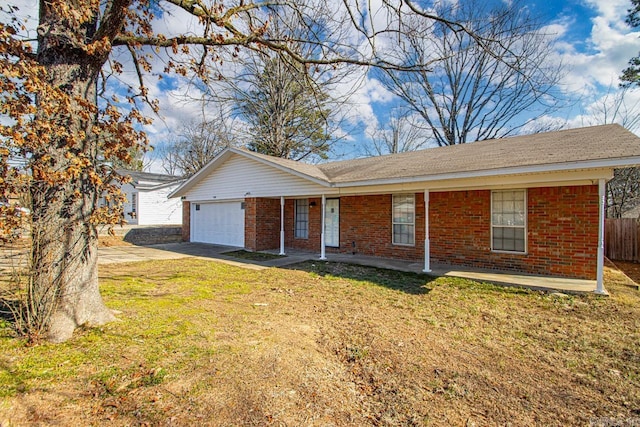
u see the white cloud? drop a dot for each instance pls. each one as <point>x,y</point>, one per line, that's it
<point>377,92</point>
<point>360,110</point>
<point>594,63</point>
<point>609,46</point>
<point>556,30</point>
<point>611,10</point>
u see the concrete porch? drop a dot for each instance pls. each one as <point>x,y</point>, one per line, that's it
<point>505,278</point>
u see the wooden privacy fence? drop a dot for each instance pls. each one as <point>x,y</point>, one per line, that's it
<point>621,238</point>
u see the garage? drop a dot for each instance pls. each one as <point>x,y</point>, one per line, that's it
<point>220,223</point>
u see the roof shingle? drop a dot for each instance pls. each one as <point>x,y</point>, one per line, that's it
<point>606,142</point>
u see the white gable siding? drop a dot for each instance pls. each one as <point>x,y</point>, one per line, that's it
<point>238,176</point>
<point>154,208</point>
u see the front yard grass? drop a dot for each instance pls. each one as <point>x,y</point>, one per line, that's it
<point>205,343</point>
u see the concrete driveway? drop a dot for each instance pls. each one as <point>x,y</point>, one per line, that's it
<point>14,258</point>
<point>118,254</point>
<point>168,251</point>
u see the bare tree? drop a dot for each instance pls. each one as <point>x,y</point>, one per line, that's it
<point>401,133</point>
<point>478,87</point>
<point>618,106</point>
<point>623,192</point>
<point>196,145</point>
<point>615,106</point>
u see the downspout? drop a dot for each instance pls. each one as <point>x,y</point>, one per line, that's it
<point>600,268</point>
<point>427,255</point>
<point>282,225</point>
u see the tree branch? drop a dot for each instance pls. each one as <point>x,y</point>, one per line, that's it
<point>112,20</point>
<point>143,90</point>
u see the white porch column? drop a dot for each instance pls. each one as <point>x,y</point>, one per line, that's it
<point>427,255</point>
<point>322,243</point>
<point>600,268</point>
<point>282,225</point>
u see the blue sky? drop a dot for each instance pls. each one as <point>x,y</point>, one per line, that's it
<point>579,12</point>
<point>592,40</point>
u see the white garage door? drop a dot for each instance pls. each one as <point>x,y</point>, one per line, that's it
<point>220,223</point>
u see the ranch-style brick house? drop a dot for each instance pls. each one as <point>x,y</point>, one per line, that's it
<point>530,204</point>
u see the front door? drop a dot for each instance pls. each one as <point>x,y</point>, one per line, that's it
<point>332,223</point>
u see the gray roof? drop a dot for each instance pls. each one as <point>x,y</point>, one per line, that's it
<point>606,146</point>
<point>597,143</point>
<point>148,176</point>
<point>149,180</point>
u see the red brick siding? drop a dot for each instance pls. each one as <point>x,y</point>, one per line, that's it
<point>459,227</point>
<point>562,231</point>
<point>315,219</point>
<point>250,228</point>
<point>365,227</point>
<point>186,221</point>
<point>261,224</point>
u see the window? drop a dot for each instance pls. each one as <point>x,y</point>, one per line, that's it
<point>404,219</point>
<point>509,220</point>
<point>302,219</point>
<point>134,202</point>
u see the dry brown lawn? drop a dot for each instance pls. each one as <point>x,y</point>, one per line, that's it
<point>109,241</point>
<point>204,343</point>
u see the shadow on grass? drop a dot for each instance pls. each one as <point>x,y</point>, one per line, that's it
<point>411,283</point>
<point>253,256</point>
<point>8,307</point>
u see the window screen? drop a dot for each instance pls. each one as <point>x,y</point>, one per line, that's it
<point>508,220</point>
<point>404,219</point>
<point>302,219</point>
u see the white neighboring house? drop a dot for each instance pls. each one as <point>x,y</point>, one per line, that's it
<point>147,202</point>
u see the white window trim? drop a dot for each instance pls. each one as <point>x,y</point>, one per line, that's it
<point>295,219</point>
<point>525,226</point>
<point>414,220</point>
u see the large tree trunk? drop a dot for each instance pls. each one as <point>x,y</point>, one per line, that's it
<point>64,292</point>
